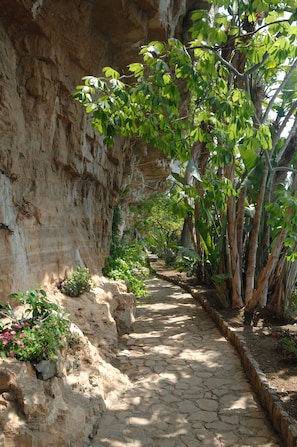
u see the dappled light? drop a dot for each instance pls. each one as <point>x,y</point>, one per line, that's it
<point>187,385</point>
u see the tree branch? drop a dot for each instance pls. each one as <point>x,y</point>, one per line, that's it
<point>291,134</point>
<point>256,66</point>
<point>251,33</point>
<point>278,90</point>
<point>227,64</point>
<point>283,125</point>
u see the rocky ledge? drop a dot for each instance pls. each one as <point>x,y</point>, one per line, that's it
<point>65,410</point>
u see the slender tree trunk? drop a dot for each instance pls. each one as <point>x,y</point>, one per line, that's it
<point>289,284</point>
<point>277,286</point>
<point>270,266</point>
<point>253,245</point>
<point>186,239</point>
<point>200,157</point>
<point>236,278</point>
<point>240,220</point>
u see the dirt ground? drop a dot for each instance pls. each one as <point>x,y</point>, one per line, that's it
<point>261,340</point>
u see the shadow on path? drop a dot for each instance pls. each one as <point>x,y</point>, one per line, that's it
<point>187,384</point>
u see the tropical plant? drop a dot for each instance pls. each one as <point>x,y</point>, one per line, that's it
<point>225,105</point>
<point>188,261</point>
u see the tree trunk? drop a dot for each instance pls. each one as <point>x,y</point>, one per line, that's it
<point>270,266</point>
<point>186,239</point>
<point>253,244</point>
<point>240,221</point>
<point>236,278</point>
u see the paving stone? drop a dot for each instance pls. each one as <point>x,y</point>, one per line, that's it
<point>189,441</point>
<point>183,385</point>
<point>159,368</point>
<point>207,404</point>
<point>204,416</point>
<point>187,406</point>
<point>230,419</point>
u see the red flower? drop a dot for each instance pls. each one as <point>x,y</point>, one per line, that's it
<point>277,335</point>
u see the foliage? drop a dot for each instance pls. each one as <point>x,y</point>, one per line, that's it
<point>77,282</point>
<point>188,262</point>
<point>127,262</point>
<point>225,105</point>
<point>38,334</point>
<point>159,224</point>
<point>288,345</point>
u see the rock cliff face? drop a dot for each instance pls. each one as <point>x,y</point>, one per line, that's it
<point>58,182</point>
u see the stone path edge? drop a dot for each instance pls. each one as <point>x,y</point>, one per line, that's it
<point>282,422</point>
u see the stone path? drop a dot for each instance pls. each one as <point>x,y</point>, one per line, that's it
<point>189,389</point>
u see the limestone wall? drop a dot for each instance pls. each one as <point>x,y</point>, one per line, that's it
<point>58,182</point>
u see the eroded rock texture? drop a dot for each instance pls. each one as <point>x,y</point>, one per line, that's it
<point>65,410</point>
<point>58,182</point>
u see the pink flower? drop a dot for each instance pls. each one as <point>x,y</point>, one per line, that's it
<point>5,342</point>
<point>37,326</point>
<point>13,332</point>
<point>12,354</point>
<point>22,334</point>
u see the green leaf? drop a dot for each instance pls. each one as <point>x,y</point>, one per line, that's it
<point>205,236</point>
<point>249,158</point>
<point>111,73</point>
<point>137,69</point>
<point>179,178</point>
<point>221,277</point>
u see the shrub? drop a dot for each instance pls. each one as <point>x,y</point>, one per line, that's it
<point>188,261</point>
<point>78,282</point>
<point>288,345</point>
<point>38,334</point>
<point>127,262</point>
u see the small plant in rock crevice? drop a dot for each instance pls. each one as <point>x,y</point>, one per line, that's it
<point>78,282</point>
<point>39,333</point>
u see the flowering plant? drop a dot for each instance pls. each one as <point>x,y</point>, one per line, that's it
<point>78,282</point>
<point>288,344</point>
<point>38,334</point>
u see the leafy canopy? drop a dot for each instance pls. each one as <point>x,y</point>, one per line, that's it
<point>150,102</point>
<point>225,102</point>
